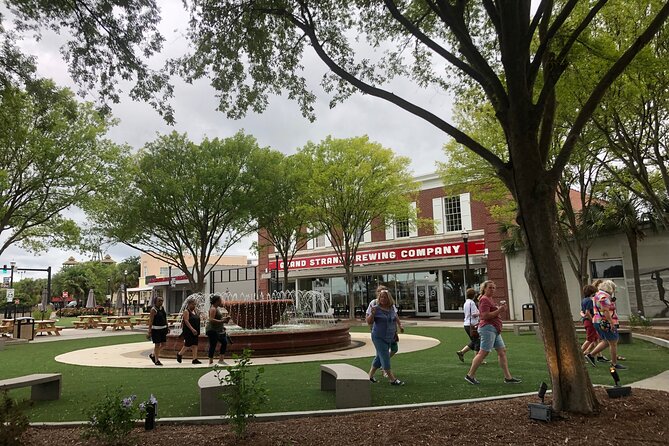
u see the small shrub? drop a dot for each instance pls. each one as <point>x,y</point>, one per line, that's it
<point>13,423</point>
<point>639,320</point>
<point>246,394</point>
<point>111,420</point>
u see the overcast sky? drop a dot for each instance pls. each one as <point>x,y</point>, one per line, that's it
<point>281,127</point>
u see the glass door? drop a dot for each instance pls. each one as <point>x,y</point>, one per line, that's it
<point>427,299</point>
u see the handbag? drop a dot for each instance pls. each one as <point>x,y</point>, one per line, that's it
<point>474,331</point>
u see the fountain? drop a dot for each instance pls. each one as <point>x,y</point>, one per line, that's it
<point>278,324</point>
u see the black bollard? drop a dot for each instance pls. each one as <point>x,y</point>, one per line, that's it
<point>150,420</point>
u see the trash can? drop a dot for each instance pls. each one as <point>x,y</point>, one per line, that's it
<point>24,328</point>
<point>528,313</point>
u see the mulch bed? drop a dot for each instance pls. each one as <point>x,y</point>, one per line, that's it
<point>642,418</point>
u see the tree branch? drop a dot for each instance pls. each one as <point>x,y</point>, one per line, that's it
<point>602,86</point>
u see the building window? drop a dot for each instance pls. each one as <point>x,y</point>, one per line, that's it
<point>452,214</point>
<point>319,242</point>
<point>164,271</point>
<point>402,229</point>
<point>607,269</point>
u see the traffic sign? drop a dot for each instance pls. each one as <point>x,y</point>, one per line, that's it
<point>5,282</point>
<point>10,294</point>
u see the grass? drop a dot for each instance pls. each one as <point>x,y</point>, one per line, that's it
<point>431,375</point>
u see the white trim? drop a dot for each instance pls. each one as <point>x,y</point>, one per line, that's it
<point>367,235</point>
<point>466,211</point>
<point>390,231</point>
<point>413,229</point>
<point>438,214</point>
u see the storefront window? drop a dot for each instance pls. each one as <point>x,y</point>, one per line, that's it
<point>338,292</point>
<point>453,289</point>
<point>405,291</point>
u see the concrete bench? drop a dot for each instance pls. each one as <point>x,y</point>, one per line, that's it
<point>211,391</point>
<point>351,385</point>
<point>625,336</point>
<point>529,325</point>
<point>44,386</point>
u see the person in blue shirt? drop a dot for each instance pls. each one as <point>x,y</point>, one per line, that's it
<point>384,321</point>
<point>587,313</point>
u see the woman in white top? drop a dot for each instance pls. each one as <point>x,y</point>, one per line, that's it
<point>471,320</point>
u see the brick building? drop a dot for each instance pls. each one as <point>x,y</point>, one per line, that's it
<point>423,267</point>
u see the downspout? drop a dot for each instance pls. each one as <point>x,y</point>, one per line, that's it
<point>509,289</point>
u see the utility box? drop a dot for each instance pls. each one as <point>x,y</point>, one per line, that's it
<point>528,313</point>
<point>24,328</point>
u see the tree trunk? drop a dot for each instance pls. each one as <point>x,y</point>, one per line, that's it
<point>284,282</point>
<point>351,296</point>
<point>571,385</point>
<point>634,252</point>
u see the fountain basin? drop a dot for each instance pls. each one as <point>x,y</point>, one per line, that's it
<point>277,341</point>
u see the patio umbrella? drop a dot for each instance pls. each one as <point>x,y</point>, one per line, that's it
<point>45,302</point>
<point>119,299</point>
<point>154,294</point>
<point>90,302</point>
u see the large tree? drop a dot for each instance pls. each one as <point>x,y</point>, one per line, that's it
<point>516,58</point>
<point>356,186</point>
<point>184,203</point>
<point>53,156</point>
<point>284,211</point>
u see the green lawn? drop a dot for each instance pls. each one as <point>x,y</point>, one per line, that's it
<point>431,375</point>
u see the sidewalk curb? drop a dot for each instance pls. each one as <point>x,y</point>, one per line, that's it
<point>277,416</point>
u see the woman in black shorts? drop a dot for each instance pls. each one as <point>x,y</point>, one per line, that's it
<point>190,320</point>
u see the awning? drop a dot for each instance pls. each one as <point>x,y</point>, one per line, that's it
<point>138,289</point>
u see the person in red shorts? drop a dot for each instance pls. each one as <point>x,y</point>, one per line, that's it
<point>587,313</point>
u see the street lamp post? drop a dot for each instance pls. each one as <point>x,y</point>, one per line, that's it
<point>276,266</point>
<point>465,239</point>
<point>11,274</point>
<point>109,296</point>
<point>125,291</point>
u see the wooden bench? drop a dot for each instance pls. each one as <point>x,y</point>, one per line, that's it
<point>529,325</point>
<point>351,385</point>
<point>80,324</point>
<point>211,391</point>
<point>44,386</point>
<point>104,325</point>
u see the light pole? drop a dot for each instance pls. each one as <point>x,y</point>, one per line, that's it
<point>276,266</point>
<point>12,265</point>
<point>109,296</point>
<point>465,239</point>
<point>125,291</point>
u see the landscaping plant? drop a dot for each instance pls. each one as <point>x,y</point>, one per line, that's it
<point>13,423</point>
<point>245,394</point>
<point>112,419</point>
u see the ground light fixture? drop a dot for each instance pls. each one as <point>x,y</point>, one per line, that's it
<point>540,411</point>
<point>617,391</point>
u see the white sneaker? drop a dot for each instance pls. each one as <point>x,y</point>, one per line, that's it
<point>385,375</point>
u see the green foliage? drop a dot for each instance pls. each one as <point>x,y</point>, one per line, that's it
<point>640,321</point>
<point>106,41</point>
<point>245,394</point>
<point>356,186</point>
<point>13,422</point>
<point>283,209</point>
<point>112,419</point>
<point>199,213</point>
<point>54,156</point>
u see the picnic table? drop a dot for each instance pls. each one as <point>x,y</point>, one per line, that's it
<point>47,326</point>
<point>87,321</point>
<point>117,323</point>
<point>7,327</point>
